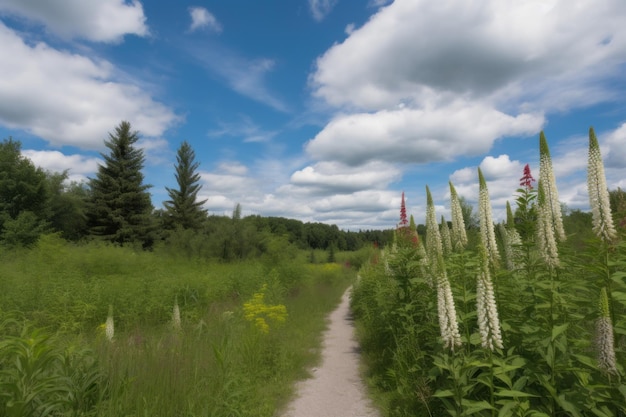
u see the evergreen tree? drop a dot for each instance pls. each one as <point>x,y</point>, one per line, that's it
<point>120,208</point>
<point>183,209</point>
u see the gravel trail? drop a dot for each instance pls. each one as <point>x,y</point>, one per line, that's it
<point>336,388</point>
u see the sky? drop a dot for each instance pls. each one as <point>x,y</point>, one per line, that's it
<point>322,110</point>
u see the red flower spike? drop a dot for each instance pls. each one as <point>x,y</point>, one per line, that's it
<point>404,222</point>
<point>527,179</point>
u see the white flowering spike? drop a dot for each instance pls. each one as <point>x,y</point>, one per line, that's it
<point>511,239</point>
<point>598,193</point>
<point>176,315</point>
<point>109,327</point>
<point>448,323</point>
<point>546,240</point>
<point>459,236</point>
<point>604,336</point>
<point>547,182</point>
<point>445,236</point>
<point>488,321</point>
<point>487,230</point>
<point>434,246</point>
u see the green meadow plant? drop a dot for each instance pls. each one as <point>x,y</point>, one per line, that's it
<point>543,332</point>
<point>197,357</point>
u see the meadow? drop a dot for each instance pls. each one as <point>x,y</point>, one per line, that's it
<point>522,318</point>
<point>101,330</point>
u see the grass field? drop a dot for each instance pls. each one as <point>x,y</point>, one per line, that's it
<point>222,360</point>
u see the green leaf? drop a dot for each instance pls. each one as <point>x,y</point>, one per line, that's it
<point>512,393</point>
<point>472,407</point>
<point>557,330</point>
<point>443,393</point>
<point>568,406</point>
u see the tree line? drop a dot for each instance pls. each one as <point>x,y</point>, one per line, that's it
<point>115,206</point>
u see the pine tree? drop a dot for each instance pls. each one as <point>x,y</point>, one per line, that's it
<point>183,209</point>
<point>120,207</point>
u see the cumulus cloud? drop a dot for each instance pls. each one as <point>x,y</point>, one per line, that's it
<point>202,18</point>
<point>79,167</point>
<point>333,178</point>
<point>429,81</point>
<point>422,51</point>
<point>321,8</point>
<point>615,148</point>
<point>70,99</point>
<point>417,136</point>
<point>98,21</point>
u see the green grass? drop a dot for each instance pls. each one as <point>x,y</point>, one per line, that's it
<point>217,364</point>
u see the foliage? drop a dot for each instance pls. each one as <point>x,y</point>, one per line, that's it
<point>119,207</point>
<point>183,209</point>
<point>23,196</point>
<point>215,363</point>
<point>562,350</point>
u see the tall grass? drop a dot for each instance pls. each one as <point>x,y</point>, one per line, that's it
<point>55,299</point>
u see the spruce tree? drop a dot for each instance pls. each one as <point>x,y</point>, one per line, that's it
<point>120,207</point>
<point>183,209</point>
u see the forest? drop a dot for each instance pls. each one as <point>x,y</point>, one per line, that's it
<point>115,206</point>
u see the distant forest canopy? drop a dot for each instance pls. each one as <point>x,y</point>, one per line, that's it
<point>115,207</point>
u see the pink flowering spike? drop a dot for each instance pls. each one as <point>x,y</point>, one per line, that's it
<point>404,222</point>
<point>527,179</point>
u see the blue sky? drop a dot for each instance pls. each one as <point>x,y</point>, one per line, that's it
<point>322,110</point>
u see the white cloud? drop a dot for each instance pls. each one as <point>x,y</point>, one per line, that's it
<point>421,51</point>
<point>615,148</point>
<point>202,18</point>
<point>321,8</point>
<point>79,167</point>
<point>336,178</point>
<point>417,136</point>
<point>70,99</point>
<point>99,21</point>
<point>426,81</point>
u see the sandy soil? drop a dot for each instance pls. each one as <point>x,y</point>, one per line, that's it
<point>336,388</point>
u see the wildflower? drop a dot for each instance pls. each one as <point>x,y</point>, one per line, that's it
<point>445,236</point>
<point>551,195</point>
<point>406,232</point>
<point>458,224</point>
<point>434,246</point>
<point>257,312</point>
<point>511,239</point>
<point>176,315</point>
<point>487,232</point>
<point>546,240</point>
<point>109,328</point>
<point>448,324</point>
<point>488,322</point>
<point>404,222</point>
<point>604,336</point>
<point>598,193</point>
<point>527,179</point>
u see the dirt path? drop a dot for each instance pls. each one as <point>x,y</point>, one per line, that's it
<point>336,388</point>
